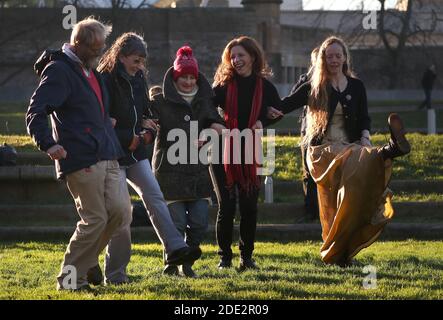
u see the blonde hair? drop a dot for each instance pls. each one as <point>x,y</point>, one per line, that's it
<point>314,54</point>
<point>317,117</point>
<point>225,71</point>
<point>88,30</point>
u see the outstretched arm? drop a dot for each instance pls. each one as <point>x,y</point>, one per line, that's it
<point>297,99</point>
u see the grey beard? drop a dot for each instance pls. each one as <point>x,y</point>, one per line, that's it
<point>92,63</point>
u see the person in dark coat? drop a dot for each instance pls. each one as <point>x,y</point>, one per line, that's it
<point>427,83</point>
<point>83,144</point>
<point>242,93</point>
<point>309,186</point>
<point>123,68</point>
<point>184,110</point>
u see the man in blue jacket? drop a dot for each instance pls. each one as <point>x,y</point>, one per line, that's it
<point>83,145</point>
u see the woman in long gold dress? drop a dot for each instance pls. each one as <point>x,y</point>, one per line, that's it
<point>351,175</point>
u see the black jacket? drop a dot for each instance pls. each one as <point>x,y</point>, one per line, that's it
<point>353,100</point>
<point>428,79</point>
<point>182,181</point>
<point>301,80</point>
<point>129,103</point>
<point>78,122</point>
<point>246,88</point>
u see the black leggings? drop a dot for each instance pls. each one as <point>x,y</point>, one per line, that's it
<point>226,212</point>
<point>309,188</point>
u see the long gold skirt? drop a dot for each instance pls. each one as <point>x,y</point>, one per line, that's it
<point>354,201</point>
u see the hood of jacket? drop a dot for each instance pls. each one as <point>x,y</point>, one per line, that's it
<point>48,56</point>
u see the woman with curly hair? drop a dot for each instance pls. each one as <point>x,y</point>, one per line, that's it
<point>351,175</point>
<point>243,93</point>
<point>123,69</point>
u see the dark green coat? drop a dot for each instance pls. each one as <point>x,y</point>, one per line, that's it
<point>182,181</point>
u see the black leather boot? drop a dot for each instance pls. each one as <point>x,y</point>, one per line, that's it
<point>398,144</point>
<point>186,271</point>
<point>247,263</point>
<point>225,263</point>
<point>170,270</point>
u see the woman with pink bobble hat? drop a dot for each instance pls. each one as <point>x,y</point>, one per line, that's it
<point>186,102</point>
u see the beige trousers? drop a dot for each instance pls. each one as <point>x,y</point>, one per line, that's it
<point>103,204</point>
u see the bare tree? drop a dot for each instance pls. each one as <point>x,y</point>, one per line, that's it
<point>400,29</point>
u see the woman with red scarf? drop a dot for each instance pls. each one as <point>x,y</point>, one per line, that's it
<point>243,94</point>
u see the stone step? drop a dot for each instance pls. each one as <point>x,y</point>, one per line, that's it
<point>38,185</point>
<point>408,186</point>
<point>43,215</point>
<point>268,232</point>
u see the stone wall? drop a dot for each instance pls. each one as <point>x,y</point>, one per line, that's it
<point>24,33</point>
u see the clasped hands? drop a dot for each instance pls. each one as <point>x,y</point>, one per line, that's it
<point>146,136</point>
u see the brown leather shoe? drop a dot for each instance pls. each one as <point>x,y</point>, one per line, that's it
<point>398,134</point>
<point>398,144</point>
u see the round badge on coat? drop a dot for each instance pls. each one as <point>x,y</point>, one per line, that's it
<point>187,117</point>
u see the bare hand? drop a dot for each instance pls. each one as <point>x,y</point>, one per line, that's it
<point>57,152</point>
<point>274,113</point>
<point>114,122</point>
<point>365,142</point>
<point>150,123</point>
<point>134,143</point>
<point>218,127</point>
<point>146,136</point>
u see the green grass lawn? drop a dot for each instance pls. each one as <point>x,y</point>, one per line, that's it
<point>14,123</point>
<point>23,143</point>
<point>404,270</point>
<point>412,119</point>
<point>399,103</point>
<point>424,162</point>
<point>12,117</point>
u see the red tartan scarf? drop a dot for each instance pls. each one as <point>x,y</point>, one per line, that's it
<point>243,174</point>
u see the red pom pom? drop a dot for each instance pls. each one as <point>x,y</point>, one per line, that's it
<point>184,51</point>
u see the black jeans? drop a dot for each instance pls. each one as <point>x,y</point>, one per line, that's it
<point>226,212</point>
<point>309,188</point>
<point>427,102</point>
